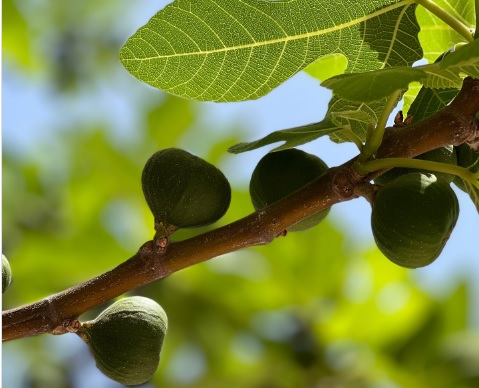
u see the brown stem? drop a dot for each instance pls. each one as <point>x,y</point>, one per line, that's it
<point>454,124</point>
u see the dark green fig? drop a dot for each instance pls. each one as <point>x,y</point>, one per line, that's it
<point>279,174</point>
<point>446,154</point>
<point>126,339</point>
<point>412,218</point>
<point>466,157</point>
<point>183,190</point>
<point>6,274</point>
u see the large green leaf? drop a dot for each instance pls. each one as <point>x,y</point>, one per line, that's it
<point>223,50</point>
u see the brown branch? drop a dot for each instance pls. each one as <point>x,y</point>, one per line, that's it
<point>455,124</point>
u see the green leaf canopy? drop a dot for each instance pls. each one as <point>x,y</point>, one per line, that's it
<point>378,84</point>
<point>223,50</point>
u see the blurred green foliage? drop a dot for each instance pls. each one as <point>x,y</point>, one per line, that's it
<point>304,311</point>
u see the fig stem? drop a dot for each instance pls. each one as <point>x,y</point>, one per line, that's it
<point>354,138</point>
<point>387,163</point>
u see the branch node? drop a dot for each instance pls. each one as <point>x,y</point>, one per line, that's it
<point>344,182</point>
<point>161,243</point>
<point>71,325</point>
<point>366,190</point>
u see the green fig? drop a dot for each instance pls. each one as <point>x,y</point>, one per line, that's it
<point>183,190</point>
<point>412,218</point>
<point>6,274</point>
<point>279,174</point>
<point>126,339</point>
<point>446,154</point>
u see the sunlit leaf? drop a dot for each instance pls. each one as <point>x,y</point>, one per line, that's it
<point>15,42</point>
<point>224,50</point>
<point>327,66</point>
<point>342,114</point>
<point>437,37</point>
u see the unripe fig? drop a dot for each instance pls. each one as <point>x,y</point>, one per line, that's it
<point>279,174</point>
<point>183,190</point>
<point>412,218</point>
<point>126,339</point>
<point>466,157</point>
<point>6,274</point>
<point>446,154</point>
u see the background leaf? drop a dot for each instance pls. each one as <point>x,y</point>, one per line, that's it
<point>429,101</point>
<point>221,50</point>
<point>435,36</point>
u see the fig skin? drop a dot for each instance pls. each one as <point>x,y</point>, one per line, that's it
<point>6,274</point>
<point>126,339</point>
<point>279,174</point>
<point>412,218</point>
<point>183,190</point>
<point>446,154</point>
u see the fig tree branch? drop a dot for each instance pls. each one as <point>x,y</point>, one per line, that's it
<point>453,125</point>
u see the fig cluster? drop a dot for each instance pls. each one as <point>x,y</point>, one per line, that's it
<point>279,174</point>
<point>183,191</point>
<point>126,339</point>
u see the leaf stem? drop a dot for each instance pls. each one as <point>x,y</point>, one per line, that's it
<point>354,138</point>
<point>447,18</point>
<point>386,163</point>
<point>375,137</point>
